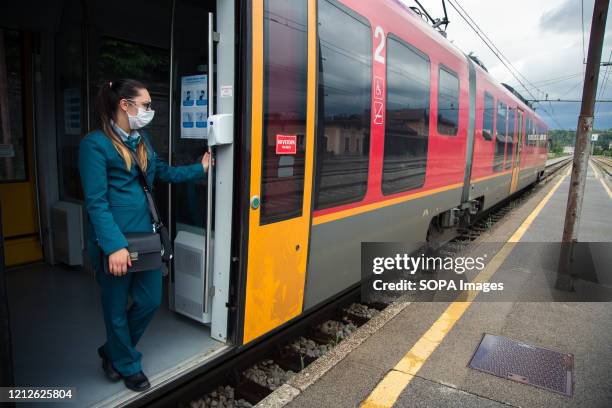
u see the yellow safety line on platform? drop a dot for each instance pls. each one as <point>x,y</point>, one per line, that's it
<point>601,179</point>
<point>388,390</point>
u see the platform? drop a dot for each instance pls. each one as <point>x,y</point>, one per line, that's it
<point>420,357</point>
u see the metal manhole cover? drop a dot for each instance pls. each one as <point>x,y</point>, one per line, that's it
<point>524,363</point>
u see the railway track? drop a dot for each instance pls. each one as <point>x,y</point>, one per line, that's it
<point>603,164</point>
<point>253,373</point>
<point>554,165</point>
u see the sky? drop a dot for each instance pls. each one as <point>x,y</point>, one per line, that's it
<point>543,40</point>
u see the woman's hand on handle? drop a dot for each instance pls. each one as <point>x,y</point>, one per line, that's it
<point>119,261</point>
<point>206,161</point>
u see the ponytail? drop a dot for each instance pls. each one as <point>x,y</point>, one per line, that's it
<point>109,96</point>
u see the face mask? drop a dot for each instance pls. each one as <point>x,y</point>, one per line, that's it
<point>142,118</point>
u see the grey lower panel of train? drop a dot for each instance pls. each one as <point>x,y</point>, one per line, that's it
<point>528,176</point>
<point>335,247</point>
<point>493,190</point>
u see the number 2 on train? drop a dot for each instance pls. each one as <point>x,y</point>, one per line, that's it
<point>378,53</point>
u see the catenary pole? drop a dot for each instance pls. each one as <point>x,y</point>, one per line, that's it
<point>582,149</point>
<point>585,124</point>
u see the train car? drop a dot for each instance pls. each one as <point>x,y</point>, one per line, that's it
<point>332,122</point>
<point>410,138</point>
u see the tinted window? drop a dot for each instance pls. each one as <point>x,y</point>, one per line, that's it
<point>532,134</point>
<point>345,84</point>
<point>510,137</point>
<point>285,62</point>
<point>12,132</point>
<point>527,131</point>
<point>488,115</point>
<point>407,118</point>
<point>448,103</point>
<point>542,137</point>
<point>500,139</point>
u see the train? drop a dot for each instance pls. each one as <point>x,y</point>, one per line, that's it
<point>400,137</point>
<point>331,122</point>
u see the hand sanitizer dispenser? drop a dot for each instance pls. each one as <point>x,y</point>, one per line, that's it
<point>220,129</point>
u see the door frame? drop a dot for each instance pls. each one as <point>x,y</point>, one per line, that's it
<point>28,247</point>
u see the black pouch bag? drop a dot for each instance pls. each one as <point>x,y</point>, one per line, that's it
<point>148,250</point>
<point>145,250</point>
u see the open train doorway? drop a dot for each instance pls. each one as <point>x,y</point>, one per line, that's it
<point>184,52</point>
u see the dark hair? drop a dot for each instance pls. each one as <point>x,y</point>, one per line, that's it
<point>106,106</point>
<point>111,93</point>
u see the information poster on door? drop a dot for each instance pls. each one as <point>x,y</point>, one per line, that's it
<point>194,106</point>
<point>72,111</point>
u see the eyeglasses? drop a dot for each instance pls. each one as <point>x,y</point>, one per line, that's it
<point>146,105</point>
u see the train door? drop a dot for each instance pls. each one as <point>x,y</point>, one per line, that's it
<point>281,163</point>
<point>202,72</point>
<point>17,166</point>
<point>518,147</point>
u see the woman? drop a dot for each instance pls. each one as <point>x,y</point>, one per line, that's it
<point>116,204</point>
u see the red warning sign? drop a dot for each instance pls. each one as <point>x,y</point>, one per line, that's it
<point>286,144</point>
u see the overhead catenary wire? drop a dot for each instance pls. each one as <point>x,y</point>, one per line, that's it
<point>555,81</point>
<point>569,100</point>
<point>583,42</point>
<point>500,56</point>
<point>491,45</point>
<point>604,82</point>
<point>568,91</point>
<point>571,88</point>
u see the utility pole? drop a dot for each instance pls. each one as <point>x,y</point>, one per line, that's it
<point>583,138</point>
<point>585,123</point>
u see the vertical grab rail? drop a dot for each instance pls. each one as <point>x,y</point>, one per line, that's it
<point>209,201</point>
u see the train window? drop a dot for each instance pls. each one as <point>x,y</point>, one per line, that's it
<point>284,110</point>
<point>448,102</point>
<point>542,137</point>
<point>538,136</point>
<point>407,118</point>
<point>488,115</point>
<point>527,131</point>
<point>500,139</point>
<point>510,138</point>
<point>345,89</point>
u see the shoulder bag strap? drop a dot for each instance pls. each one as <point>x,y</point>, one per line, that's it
<point>158,226</point>
<point>147,190</point>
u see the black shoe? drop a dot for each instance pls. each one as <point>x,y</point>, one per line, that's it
<point>107,366</point>
<point>137,382</point>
